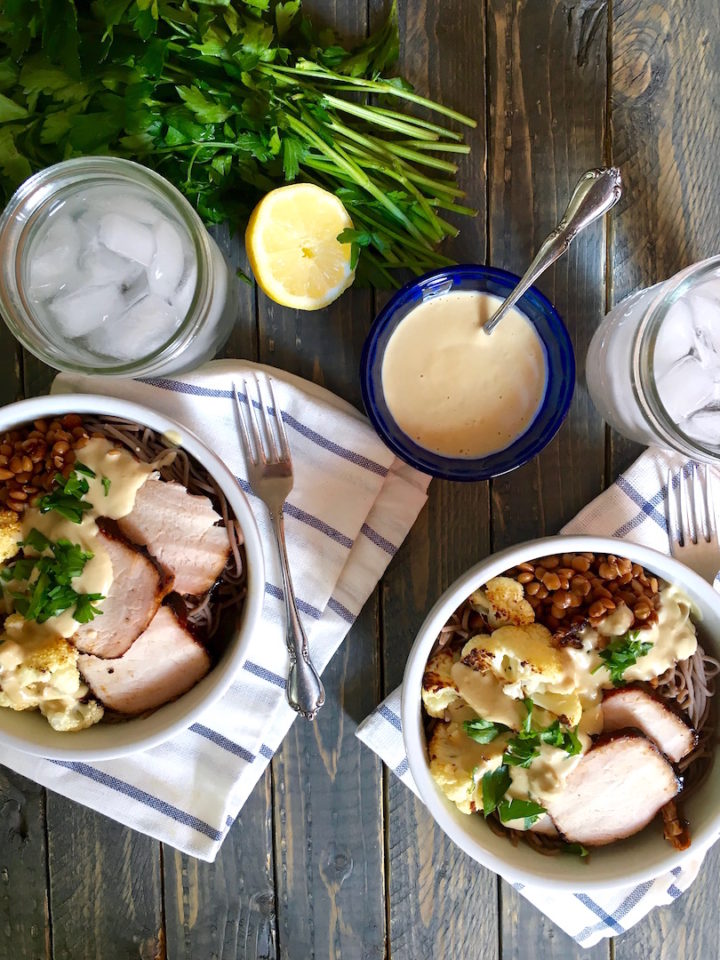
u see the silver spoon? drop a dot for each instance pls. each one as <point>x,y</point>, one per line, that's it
<point>597,192</point>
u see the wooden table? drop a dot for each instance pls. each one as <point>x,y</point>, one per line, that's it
<point>332,857</point>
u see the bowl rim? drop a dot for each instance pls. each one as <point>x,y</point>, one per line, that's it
<point>411,717</point>
<point>222,673</point>
<point>550,414</point>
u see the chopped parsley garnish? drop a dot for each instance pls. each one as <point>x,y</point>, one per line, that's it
<point>106,482</point>
<point>524,747</point>
<point>45,588</point>
<point>522,750</point>
<point>494,786</point>
<point>566,740</point>
<point>621,653</point>
<point>484,731</point>
<point>526,810</point>
<point>67,496</point>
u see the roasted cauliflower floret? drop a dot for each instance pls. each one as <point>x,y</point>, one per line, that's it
<point>41,672</point>
<point>458,764</point>
<point>10,534</point>
<point>522,657</point>
<point>438,686</point>
<point>503,602</point>
<point>69,718</point>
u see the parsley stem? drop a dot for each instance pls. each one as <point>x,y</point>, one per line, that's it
<point>306,68</point>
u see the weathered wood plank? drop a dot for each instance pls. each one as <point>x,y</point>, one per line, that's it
<point>226,909</point>
<point>104,887</point>
<point>24,923</point>
<point>440,902</point>
<point>547,91</point>
<point>328,816</point>
<point>665,134</point>
<point>24,911</point>
<point>328,813</point>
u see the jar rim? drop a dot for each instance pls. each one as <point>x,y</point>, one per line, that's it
<point>30,201</point>
<point>643,361</point>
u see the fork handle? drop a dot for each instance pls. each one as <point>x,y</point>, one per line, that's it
<point>305,692</point>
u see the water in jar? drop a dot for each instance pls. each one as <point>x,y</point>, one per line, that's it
<point>111,271</point>
<point>686,361</point>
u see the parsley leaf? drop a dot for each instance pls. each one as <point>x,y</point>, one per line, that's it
<point>106,482</point>
<point>67,496</point>
<point>621,653</point>
<point>483,731</point>
<point>575,848</point>
<point>494,786</point>
<point>521,752</point>
<point>526,810</point>
<point>44,582</point>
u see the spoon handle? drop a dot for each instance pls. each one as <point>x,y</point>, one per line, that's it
<point>597,192</point>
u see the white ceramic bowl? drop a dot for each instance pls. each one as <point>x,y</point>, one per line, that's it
<point>629,862</point>
<point>29,731</point>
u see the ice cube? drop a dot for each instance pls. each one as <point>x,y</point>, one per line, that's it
<point>84,310</point>
<point>704,425</point>
<point>166,269</point>
<point>142,328</point>
<point>184,294</point>
<point>675,339</point>
<point>127,237</point>
<point>53,261</point>
<point>706,325</point>
<point>100,266</point>
<point>685,388</point>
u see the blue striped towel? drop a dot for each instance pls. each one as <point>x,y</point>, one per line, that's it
<point>633,508</point>
<point>351,507</point>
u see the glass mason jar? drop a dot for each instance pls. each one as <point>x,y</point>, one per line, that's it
<point>52,291</point>
<point>653,365</point>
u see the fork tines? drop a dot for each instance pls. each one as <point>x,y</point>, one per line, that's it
<point>269,445</point>
<point>691,510</point>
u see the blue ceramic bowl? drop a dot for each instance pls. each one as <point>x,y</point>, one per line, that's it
<point>559,356</point>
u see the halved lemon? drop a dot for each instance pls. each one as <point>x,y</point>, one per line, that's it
<point>291,242</point>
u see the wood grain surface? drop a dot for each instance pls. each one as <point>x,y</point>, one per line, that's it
<point>332,857</point>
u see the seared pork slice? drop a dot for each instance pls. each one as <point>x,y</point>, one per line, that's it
<point>635,707</point>
<point>615,790</point>
<point>545,826</point>
<point>137,589</point>
<point>163,663</point>
<point>178,530</point>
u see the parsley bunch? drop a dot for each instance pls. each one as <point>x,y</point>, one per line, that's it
<point>46,581</point>
<point>229,99</point>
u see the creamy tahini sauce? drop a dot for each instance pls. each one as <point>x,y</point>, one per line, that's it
<point>455,390</point>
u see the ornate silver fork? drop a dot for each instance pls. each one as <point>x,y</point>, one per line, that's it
<point>692,523</point>
<point>270,474</point>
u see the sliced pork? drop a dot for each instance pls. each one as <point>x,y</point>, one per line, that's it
<point>137,588</point>
<point>615,790</point>
<point>178,530</point>
<point>635,707</point>
<point>163,663</point>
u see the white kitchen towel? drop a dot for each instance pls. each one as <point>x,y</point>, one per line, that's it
<point>633,508</point>
<point>351,507</point>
